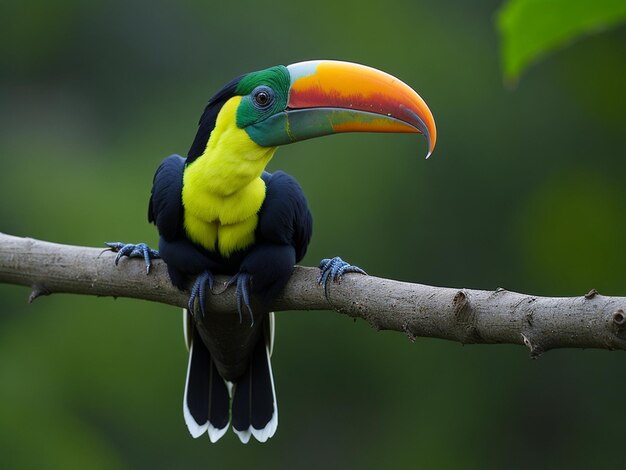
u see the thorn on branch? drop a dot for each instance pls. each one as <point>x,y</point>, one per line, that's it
<point>460,302</point>
<point>619,322</point>
<point>535,349</point>
<point>464,315</point>
<point>591,294</point>
<point>409,334</point>
<point>37,291</point>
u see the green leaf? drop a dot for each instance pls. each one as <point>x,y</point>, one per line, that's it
<point>530,29</point>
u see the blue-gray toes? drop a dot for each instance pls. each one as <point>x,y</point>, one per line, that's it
<point>333,269</point>
<point>140,250</point>
<point>242,279</point>
<point>198,291</point>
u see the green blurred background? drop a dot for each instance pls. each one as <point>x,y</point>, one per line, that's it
<point>525,191</point>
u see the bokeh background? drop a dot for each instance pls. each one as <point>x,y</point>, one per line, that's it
<point>525,191</point>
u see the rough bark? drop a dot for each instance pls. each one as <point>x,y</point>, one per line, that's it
<point>463,315</point>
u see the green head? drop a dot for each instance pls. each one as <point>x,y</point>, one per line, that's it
<point>264,94</point>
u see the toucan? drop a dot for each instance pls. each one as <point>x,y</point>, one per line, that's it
<point>218,212</point>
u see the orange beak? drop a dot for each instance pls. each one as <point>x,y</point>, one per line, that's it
<point>330,96</point>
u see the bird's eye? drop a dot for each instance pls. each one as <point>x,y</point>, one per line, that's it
<point>263,97</point>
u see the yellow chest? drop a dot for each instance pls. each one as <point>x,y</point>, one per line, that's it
<point>223,223</point>
<point>222,189</point>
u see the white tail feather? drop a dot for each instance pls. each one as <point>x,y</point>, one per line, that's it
<point>195,429</point>
<point>244,436</point>
<point>216,434</point>
<point>187,328</point>
<point>262,435</point>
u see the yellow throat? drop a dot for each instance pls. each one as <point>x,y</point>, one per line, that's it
<point>222,189</point>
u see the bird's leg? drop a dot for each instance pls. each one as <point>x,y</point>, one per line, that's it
<point>198,291</point>
<point>242,279</point>
<point>333,269</point>
<point>140,250</point>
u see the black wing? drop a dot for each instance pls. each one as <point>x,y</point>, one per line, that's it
<point>284,217</point>
<point>165,207</point>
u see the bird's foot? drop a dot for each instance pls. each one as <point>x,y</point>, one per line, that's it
<point>198,291</point>
<point>140,250</point>
<point>242,279</point>
<point>333,269</point>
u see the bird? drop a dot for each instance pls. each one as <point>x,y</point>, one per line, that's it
<point>219,212</point>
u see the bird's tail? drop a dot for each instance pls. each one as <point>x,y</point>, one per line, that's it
<point>206,404</point>
<point>254,409</point>
<point>207,401</point>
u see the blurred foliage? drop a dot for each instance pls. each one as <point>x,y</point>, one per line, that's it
<point>530,29</point>
<point>524,191</point>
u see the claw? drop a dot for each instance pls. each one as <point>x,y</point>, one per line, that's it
<point>140,250</point>
<point>242,279</point>
<point>198,291</point>
<point>333,269</point>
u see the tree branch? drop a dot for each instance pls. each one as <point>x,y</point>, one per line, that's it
<point>463,315</point>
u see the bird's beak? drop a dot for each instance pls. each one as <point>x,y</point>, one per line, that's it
<point>327,97</point>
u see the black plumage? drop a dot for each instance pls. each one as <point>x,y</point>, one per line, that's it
<point>222,347</point>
